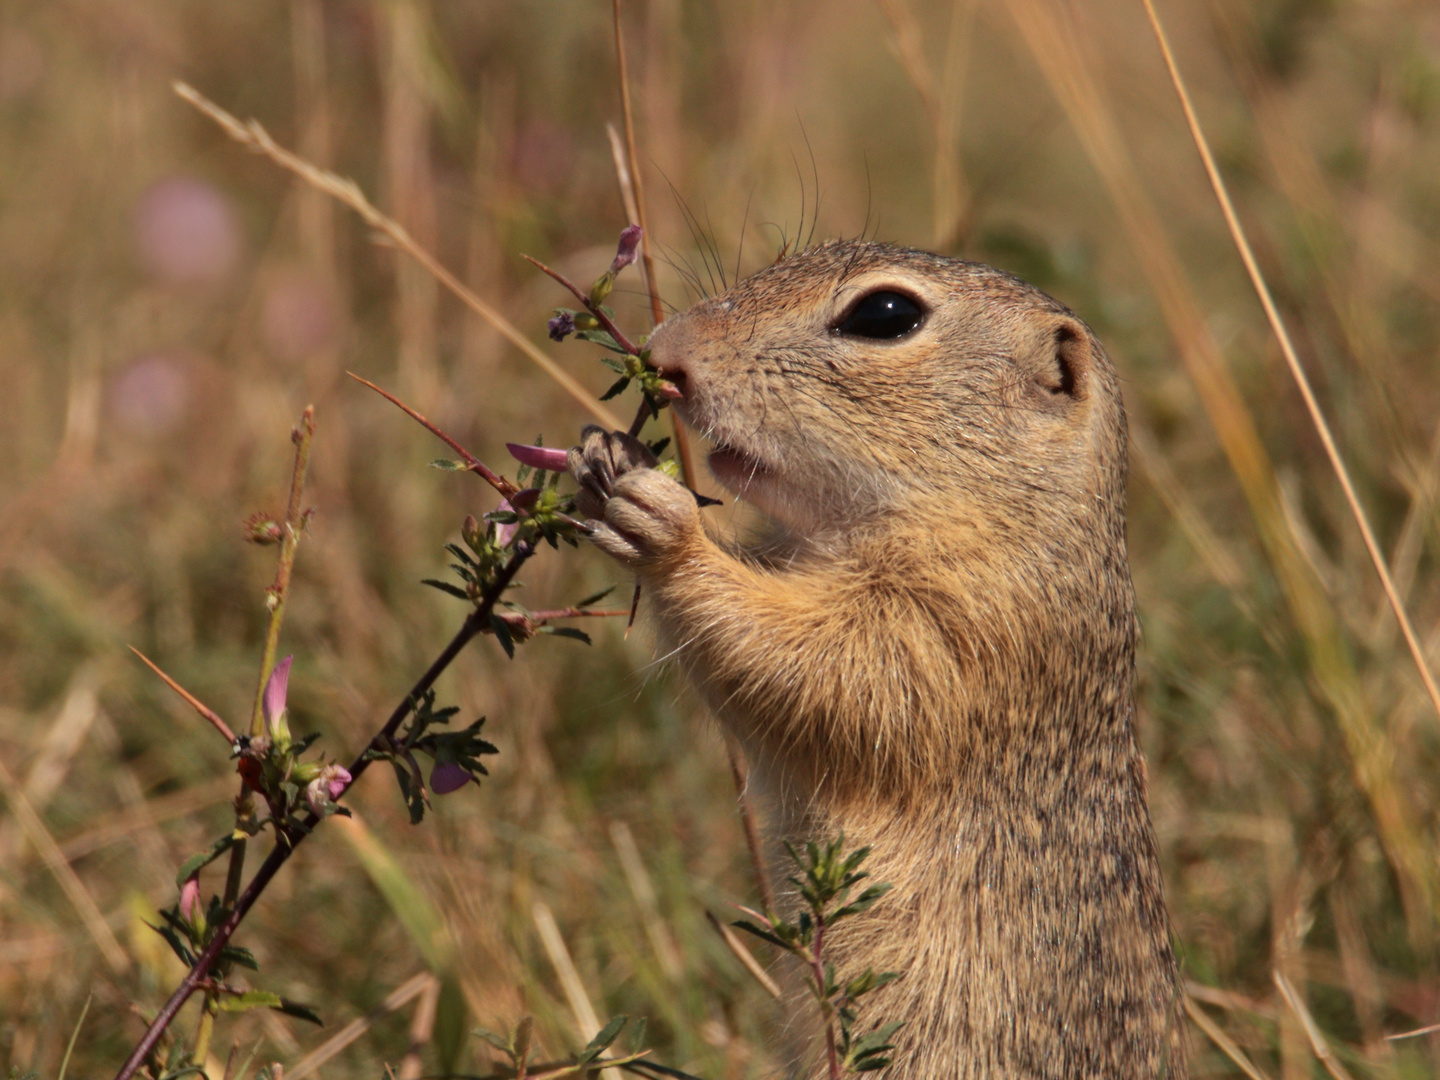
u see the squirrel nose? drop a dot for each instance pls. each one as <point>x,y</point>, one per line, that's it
<point>676,376</point>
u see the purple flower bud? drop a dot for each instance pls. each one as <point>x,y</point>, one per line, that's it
<point>273,702</point>
<point>322,792</point>
<point>539,457</point>
<point>626,253</point>
<point>562,325</point>
<point>448,776</point>
<point>190,898</point>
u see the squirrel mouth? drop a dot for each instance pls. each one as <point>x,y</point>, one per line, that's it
<point>736,469</point>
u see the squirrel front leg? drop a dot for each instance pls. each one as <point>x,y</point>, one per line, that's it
<point>843,670</point>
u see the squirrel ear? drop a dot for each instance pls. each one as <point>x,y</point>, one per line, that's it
<point>1064,368</point>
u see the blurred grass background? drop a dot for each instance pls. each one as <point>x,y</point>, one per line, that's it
<point>169,303</point>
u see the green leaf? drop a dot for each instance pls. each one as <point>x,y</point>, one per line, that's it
<point>607,1035</point>
<point>502,635</point>
<point>177,944</point>
<point>196,862</point>
<point>601,338</point>
<point>637,1036</point>
<point>410,792</point>
<point>865,900</point>
<point>446,465</point>
<point>499,1042</point>
<point>616,388</point>
<point>764,935</point>
<point>589,600</point>
<point>299,1011</point>
<point>250,999</point>
<point>234,954</point>
<point>446,587</point>
<point>449,1031</point>
<point>566,631</point>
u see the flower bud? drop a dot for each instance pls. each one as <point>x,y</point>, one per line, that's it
<point>628,250</point>
<point>190,902</point>
<point>272,703</point>
<point>262,529</point>
<point>562,325</point>
<point>472,533</point>
<point>322,792</point>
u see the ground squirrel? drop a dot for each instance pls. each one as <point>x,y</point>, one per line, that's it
<point>933,650</point>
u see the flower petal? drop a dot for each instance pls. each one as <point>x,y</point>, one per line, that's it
<point>447,777</point>
<point>273,702</point>
<point>539,457</point>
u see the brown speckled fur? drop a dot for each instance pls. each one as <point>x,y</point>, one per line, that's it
<point>934,651</point>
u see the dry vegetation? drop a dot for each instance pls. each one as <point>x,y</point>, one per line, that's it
<point>169,303</point>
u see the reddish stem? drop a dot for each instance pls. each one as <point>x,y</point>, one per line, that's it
<point>590,306</point>
<point>474,464</point>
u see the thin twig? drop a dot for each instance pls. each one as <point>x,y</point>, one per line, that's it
<point>1292,360</point>
<point>190,699</point>
<point>477,620</point>
<point>279,592</point>
<point>657,311</point>
<point>348,192</point>
<point>745,956</point>
<point>504,486</point>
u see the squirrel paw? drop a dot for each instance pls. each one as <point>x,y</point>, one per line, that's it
<point>641,516</point>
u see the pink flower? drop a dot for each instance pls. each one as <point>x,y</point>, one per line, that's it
<point>322,792</point>
<point>626,253</point>
<point>540,457</point>
<point>448,776</point>
<point>272,704</point>
<point>190,898</point>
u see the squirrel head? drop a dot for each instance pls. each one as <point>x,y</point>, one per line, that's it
<point>858,380</point>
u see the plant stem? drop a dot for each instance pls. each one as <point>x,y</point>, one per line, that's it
<point>287,843</point>
<point>279,591</point>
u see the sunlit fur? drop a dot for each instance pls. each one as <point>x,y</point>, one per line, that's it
<point>933,654</point>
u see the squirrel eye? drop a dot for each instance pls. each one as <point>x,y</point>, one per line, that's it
<point>882,315</point>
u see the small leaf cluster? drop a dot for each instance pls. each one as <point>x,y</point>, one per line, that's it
<point>826,881</point>
<point>455,754</point>
<point>631,367</point>
<point>188,937</point>
<point>517,1047</point>
<point>272,768</point>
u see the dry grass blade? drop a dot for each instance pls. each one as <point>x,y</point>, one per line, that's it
<point>587,1023</point>
<point>1056,47</point>
<point>75,890</point>
<point>422,1027</point>
<point>745,956</point>
<point>398,998</point>
<point>1322,1049</point>
<point>348,192</point>
<point>190,699</point>
<point>1227,1045</point>
<point>1292,361</point>
<point>1427,1030</point>
<point>636,876</point>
